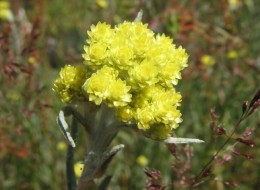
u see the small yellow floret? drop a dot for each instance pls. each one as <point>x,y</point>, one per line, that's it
<point>143,74</point>
<point>104,85</point>
<point>125,114</point>
<point>155,107</point>
<point>102,4</point>
<point>207,60</point>
<point>78,169</point>
<point>61,146</point>
<point>102,33</point>
<point>232,54</point>
<point>68,86</point>
<point>142,160</point>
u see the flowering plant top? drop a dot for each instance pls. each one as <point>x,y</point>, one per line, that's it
<point>131,70</point>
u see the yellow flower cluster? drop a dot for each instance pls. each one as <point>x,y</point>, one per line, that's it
<point>104,85</point>
<point>132,70</point>
<point>68,85</point>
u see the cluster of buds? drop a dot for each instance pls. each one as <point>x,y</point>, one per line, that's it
<point>131,70</point>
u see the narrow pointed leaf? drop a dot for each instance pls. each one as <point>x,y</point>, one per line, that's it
<point>139,16</point>
<point>64,128</point>
<point>174,140</point>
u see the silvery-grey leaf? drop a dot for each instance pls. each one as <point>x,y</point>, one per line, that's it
<point>139,16</point>
<point>116,148</point>
<point>64,127</point>
<point>175,140</point>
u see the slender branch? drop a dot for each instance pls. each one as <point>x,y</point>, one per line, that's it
<point>196,183</point>
<point>247,111</point>
<point>68,110</point>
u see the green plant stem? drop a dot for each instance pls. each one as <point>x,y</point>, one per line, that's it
<point>98,156</point>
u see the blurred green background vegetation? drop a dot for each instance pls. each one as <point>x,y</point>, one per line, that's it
<point>39,37</point>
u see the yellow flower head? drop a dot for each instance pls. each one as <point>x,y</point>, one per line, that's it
<point>68,85</point>
<point>156,110</point>
<point>102,4</point>
<point>61,146</point>
<point>5,11</point>
<point>143,74</point>
<point>142,160</point>
<point>78,169</point>
<point>104,85</point>
<point>207,60</point>
<point>232,54</point>
<point>133,71</point>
